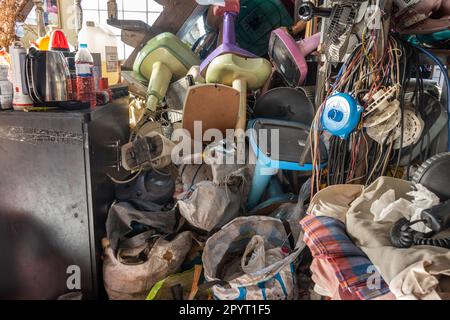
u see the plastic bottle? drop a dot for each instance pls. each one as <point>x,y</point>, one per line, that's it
<point>101,40</point>
<point>85,79</point>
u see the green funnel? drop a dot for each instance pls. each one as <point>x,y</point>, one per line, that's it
<point>163,58</point>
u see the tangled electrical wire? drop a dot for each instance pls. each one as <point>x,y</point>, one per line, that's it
<point>373,66</point>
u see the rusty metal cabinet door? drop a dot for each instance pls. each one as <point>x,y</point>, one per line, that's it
<point>54,197</point>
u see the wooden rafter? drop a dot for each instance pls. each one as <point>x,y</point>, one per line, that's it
<point>173,18</point>
<point>24,9</point>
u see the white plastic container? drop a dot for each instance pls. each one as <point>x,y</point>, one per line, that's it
<point>6,94</point>
<point>101,40</point>
<point>4,72</point>
<point>21,96</point>
<point>6,87</point>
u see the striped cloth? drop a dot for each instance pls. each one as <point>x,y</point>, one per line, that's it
<point>327,239</point>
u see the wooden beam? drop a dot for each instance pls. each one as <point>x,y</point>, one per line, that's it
<point>24,10</point>
<point>136,38</point>
<point>174,15</point>
<point>191,20</point>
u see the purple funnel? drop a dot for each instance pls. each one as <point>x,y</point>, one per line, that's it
<point>229,44</point>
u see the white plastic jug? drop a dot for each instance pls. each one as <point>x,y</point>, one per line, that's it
<point>101,40</point>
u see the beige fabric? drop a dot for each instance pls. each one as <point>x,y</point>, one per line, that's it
<point>399,267</point>
<point>334,201</point>
<point>421,281</point>
<point>209,206</point>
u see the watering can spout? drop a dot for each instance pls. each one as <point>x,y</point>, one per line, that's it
<point>241,123</point>
<point>158,84</point>
<point>163,57</point>
<point>229,31</point>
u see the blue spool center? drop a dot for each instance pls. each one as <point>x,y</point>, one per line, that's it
<point>335,115</point>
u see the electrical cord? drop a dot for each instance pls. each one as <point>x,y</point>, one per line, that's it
<point>405,82</point>
<point>365,72</point>
<point>403,236</point>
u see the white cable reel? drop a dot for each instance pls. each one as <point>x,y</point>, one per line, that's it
<point>413,127</point>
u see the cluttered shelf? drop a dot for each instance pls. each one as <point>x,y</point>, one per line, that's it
<point>299,155</point>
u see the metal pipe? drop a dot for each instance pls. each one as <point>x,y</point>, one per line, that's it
<point>78,15</point>
<point>112,10</point>
<point>41,30</point>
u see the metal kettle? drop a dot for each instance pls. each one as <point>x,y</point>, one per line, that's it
<point>48,76</point>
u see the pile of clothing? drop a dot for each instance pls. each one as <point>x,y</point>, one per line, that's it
<point>354,256</point>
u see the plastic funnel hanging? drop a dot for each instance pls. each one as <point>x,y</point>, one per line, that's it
<point>242,74</point>
<point>229,44</point>
<point>164,57</point>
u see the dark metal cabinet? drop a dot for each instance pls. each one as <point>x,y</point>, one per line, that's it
<point>54,198</point>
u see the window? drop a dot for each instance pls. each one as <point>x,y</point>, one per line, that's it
<point>145,10</point>
<point>51,14</point>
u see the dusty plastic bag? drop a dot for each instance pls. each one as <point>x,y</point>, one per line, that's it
<point>133,282</point>
<point>254,257</point>
<point>226,169</point>
<point>224,250</point>
<point>123,216</point>
<point>208,206</point>
<point>294,211</point>
<point>190,174</point>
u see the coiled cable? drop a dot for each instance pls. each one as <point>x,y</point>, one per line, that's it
<point>403,236</point>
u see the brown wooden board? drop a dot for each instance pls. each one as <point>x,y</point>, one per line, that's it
<point>216,105</point>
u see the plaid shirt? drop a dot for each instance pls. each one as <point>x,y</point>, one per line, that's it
<point>327,239</point>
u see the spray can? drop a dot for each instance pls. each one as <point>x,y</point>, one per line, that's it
<point>21,98</point>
